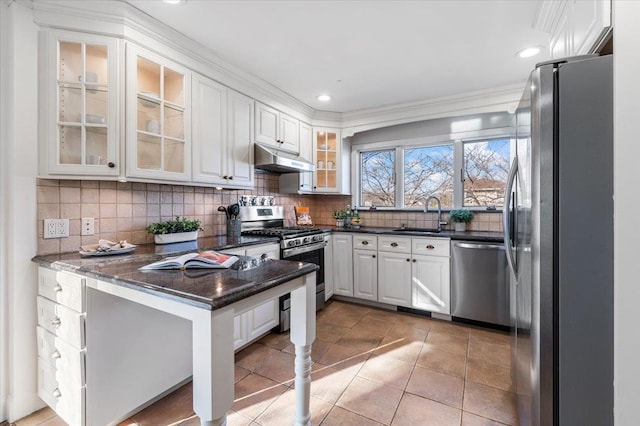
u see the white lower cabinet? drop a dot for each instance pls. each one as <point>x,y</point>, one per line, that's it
<point>328,268</point>
<point>342,264</point>
<point>430,275</point>
<point>394,278</point>
<point>365,274</point>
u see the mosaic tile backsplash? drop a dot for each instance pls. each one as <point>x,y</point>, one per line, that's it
<point>122,211</point>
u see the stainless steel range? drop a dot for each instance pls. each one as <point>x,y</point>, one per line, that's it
<point>301,244</point>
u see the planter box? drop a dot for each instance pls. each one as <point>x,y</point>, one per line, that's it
<point>175,238</point>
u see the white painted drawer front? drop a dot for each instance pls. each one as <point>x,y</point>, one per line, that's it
<point>67,400</point>
<point>365,242</point>
<point>62,287</point>
<point>62,356</point>
<point>431,246</point>
<point>61,321</point>
<point>394,244</point>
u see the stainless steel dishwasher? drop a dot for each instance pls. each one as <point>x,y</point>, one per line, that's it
<point>479,282</point>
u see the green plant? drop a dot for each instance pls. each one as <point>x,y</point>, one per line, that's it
<point>339,214</point>
<point>460,216</point>
<point>180,224</point>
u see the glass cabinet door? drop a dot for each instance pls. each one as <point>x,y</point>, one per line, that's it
<point>161,142</point>
<point>85,99</point>
<point>326,157</point>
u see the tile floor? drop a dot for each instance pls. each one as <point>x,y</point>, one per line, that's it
<point>371,367</point>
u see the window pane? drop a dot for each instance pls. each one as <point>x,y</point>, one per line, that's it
<point>486,168</point>
<point>428,171</point>
<point>378,180</point>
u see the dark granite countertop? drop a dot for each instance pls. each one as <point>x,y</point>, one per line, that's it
<point>468,235</point>
<point>205,288</point>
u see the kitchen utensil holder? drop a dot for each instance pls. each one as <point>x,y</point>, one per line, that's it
<point>233,227</point>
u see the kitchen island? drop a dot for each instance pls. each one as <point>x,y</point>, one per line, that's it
<point>119,296</point>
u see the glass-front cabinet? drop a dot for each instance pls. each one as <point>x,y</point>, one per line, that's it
<point>158,117</point>
<point>327,159</point>
<point>79,105</point>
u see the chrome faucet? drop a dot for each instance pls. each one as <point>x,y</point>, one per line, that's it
<point>426,210</point>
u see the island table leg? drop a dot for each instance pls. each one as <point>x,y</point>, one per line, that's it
<point>213,366</point>
<point>303,333</point>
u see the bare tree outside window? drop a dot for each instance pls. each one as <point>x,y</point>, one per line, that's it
<point>428,171</point>
<point>486,168</point>
<point>378,184</point>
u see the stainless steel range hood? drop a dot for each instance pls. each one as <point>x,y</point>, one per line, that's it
<point>267,158</point>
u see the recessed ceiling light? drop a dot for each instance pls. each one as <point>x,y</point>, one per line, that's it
<point>529,52</point>
<point>173,1</point>
<point>324,98</point>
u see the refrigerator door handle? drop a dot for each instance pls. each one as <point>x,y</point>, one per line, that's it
<point>506,223</point>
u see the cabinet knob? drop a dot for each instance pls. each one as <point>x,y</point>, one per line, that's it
<point>55,355</point>
<point>225,177</point>
<point>315,187</point>
<point>230,177</point>
<point>301,185</point>
<point>414,261</point>
<point>408,260</point>
<point>56,393</point>
<point>111,164</point>
<point>57,288</point>
<point>374,256</point>
<point>56,322</point>
<point>365,243</point>
<point>430,247</point>
<point>394,244</point>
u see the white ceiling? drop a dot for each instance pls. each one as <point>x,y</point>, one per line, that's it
<point>365,53</point>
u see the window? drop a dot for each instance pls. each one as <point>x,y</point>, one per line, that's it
<point>378,178</point>
<point>428,171</point>
<point>485,172</point>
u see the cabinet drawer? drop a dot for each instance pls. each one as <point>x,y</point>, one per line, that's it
<point>365,242</point>
<point>62,287</point>
<point>391,243</point>
<point>67,400</point>
<point>61,321</point>
<point>61,356</point>
<point>431,246</point>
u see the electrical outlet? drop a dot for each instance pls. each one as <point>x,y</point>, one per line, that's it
<point>88,226</point>
<point>56,228</point>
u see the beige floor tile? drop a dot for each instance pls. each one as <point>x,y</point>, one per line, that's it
<point>279,367</point>
<point>54,421</point>
<point>490,336</point>
<point>329,333</point>
<point>282,411</point>
<point>400,348</point>
<point>318,349</point>
<point>329,383</point>
<point>345,358</point>
<point>372,327</point>
<point>342,318</point>
<point>446,342</point>
<point>240,373</point>
<point>414,410</point>
<point>489,402</point>
<point>469,419</point>
<point>453,329</point>
<point>341,417</point>
<point>439,360</point>
<point>360,310</point>
<point>254,394</point>
<point>416,321</point>
<point>359,340</point>
<point>495,353</point>
<point>173,408</point>
<point>387,371</point>
<point>37,417</point>
<point>490,374</point>
<point>407,331</point>
<point>277,341</point>
<point>253,356</point>
<point>233,419</point>
<point>437,386</point>
<point>370,399</point>
<point>389,316</point>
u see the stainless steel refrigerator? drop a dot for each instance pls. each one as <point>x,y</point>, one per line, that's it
<point>558,222</point>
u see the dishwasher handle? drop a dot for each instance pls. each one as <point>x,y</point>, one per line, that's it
<point>480,246</point>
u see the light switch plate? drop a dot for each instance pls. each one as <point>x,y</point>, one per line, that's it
<point>87,226</point>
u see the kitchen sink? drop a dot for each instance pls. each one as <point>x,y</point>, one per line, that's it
<point>430,230</point>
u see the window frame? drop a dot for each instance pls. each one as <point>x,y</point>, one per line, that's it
<point>456,140</point>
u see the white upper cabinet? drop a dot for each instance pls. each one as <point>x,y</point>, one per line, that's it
<point>79,91</point>
<point>327,157</point>
<point>158,117</point>
<point>306,152</point>
<point>276,129</point>
<point>222,135</point>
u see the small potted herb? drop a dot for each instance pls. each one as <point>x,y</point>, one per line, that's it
<point>460,218</point>
<point>339,216</point>
<point>175,231</point>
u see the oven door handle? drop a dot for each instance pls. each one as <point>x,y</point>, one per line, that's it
<point>303,249</point>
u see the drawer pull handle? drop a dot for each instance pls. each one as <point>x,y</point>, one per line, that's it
<point>365,243</point>
<point>56,393</point>
<point>408,260</point>
<point>56,322</point>
<point>57,288</point>
<point>394,244</point>
<point>56,355</point>
<point>414,261</point>
<point>430,247</point>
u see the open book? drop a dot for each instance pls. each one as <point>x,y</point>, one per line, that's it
<point>206,259</point>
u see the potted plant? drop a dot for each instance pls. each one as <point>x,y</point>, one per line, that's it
<point>460,218</point>
<point>175,231</point>
<point>339,216</point>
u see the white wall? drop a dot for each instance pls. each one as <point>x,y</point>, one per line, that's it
<point>18,208</point>
<point>626,73</point>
